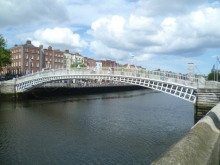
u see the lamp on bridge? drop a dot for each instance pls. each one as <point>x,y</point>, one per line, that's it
<point>47,66</point>
<point>30,61</point>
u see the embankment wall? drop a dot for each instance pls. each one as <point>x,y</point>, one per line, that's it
<point>199,146</point>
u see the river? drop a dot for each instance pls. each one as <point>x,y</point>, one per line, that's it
<point>124,128</point>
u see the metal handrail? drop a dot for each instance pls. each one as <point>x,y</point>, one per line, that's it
<point>145,74</point>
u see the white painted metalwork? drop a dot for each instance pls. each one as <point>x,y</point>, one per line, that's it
<point>174,84</point>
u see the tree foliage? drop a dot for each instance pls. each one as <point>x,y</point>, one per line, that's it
<point>211,76</point>
<point>5,55</point>
<point>76,65</point>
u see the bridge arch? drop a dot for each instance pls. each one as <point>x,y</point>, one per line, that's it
<point>174,85</point>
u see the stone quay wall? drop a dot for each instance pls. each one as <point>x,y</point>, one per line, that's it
<point>7,87</point>
<point>207,98</point>
<point>199,146</point>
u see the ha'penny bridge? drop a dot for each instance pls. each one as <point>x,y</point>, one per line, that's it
<point>199,146</point>
<point>174,84</point>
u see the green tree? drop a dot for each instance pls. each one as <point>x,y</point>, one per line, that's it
<point>211,76</point>
<point>76,65</point>
<point>5,54</point>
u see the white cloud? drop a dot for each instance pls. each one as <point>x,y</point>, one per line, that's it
<point>186,35</point>
<point>104,52</point>
<point>144,57</point>
<point>63,37</point>
<point>147,29</point>
<point>16,13</point>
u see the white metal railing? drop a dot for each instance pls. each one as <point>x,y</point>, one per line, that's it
<point>141,74</point>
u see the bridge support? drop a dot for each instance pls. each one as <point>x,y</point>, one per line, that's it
<point>8,90</point>
<point>207,98</point>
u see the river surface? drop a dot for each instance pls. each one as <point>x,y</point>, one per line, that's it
<point>122,128</point>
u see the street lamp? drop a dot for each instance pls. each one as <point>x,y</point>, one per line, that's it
<point>47,66</point>
<point>30,65</point>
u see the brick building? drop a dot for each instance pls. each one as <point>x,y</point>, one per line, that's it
<point>90,62</point>
<point>52,59</point>
<point>109,63</point>
<point>28,58</point>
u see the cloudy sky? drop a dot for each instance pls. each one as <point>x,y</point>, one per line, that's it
<point>161,34</point>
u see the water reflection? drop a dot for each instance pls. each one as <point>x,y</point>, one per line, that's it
<point>132,127</point>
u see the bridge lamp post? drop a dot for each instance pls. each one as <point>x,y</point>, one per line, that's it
<point>30,65</point>
<point>47,66</point>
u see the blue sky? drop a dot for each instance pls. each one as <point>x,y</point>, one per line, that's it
<point>164,35</point>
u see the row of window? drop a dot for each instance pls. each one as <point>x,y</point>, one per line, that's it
<point>55,66</point>
<point>14,71</point>
<point>16,64</point>
<point>16,57</point>
<point>17,50</point>
<point>55,60</point>
<point>32,51</point>
<point>32,64</point>
<point>57,55</point>
<point>32,57</point>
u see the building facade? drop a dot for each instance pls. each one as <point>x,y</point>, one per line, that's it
<point>91,63</point>
<point>26,59</point>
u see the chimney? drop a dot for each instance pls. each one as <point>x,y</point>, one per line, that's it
<point>16,45</point>
<point>28,42</point>
<point>67,51</point>
<point>49,48</point>
<point>41,46</point>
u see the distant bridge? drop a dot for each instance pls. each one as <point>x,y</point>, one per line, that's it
<point>173,84</point>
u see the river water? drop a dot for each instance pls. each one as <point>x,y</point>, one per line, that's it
<point>133,127</point>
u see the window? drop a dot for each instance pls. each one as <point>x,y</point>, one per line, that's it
<point>26,64</point>
<point>32,57</point>
<point>46,59</point>
<point>32,64</point>
<point>37,64</point>
<point>46,53</point>
<point>19,56</point>
<point>37,57</point>
<point>19,63</point>
<point>26,50</point>
<point>26,56</point>
<point>55,60</point>
<point>50,54</point>
<point>50,59</point>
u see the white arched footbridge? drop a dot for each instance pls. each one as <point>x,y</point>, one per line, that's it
<point>174,84</point>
